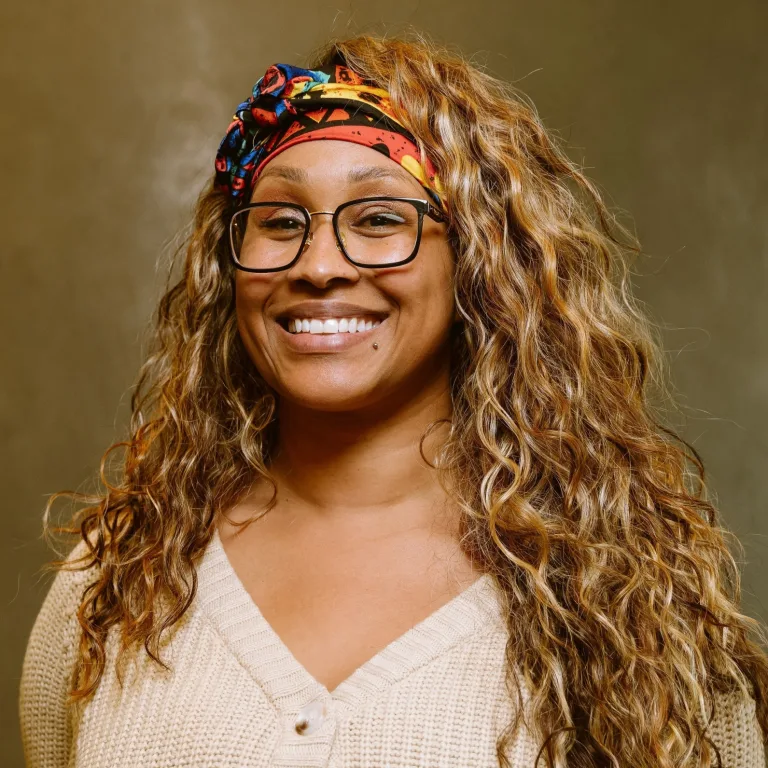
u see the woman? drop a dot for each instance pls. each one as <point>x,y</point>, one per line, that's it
<point>394,492</point>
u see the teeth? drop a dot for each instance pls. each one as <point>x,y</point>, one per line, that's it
<point>331,325</point>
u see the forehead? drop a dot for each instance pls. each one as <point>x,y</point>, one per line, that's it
<point>330,161</point>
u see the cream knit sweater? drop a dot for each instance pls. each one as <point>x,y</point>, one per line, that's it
<point>237,697</point>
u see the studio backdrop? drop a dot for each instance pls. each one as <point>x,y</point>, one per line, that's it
<point>111,117</point>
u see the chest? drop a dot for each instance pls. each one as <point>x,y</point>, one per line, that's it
<point>221,703</point>
<point>334,600</point>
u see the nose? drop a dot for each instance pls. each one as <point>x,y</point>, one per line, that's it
<point>320,263</point>
<point>311,235</point>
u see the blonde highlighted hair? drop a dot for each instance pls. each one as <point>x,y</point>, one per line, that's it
<point>622,595</point>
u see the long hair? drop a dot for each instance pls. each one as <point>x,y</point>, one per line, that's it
<point>622,595</point>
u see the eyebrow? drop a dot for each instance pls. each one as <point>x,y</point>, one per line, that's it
<point>356,175</point>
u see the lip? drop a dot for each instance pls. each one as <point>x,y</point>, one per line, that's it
<point>322,310</point>
<point>325,342</point>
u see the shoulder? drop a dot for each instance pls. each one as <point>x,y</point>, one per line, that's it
<point>48,664</point>
<point>59,608</point>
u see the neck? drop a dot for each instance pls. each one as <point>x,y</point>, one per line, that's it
<point>354,466</point>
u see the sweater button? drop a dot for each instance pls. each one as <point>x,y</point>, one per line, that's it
<point>310,717</point>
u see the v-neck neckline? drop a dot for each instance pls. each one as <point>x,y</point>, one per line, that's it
<point>286,682</point>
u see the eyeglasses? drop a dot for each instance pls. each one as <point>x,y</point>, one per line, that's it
<point>371,232</point>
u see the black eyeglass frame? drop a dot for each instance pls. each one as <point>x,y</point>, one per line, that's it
<point>422,207</point>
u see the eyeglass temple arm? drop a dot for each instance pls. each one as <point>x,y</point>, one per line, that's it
<point>435,213</point>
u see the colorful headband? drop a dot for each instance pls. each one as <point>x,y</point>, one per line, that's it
<point>290,105</point>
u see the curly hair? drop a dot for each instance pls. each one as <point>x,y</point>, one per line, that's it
<point>621,592</point>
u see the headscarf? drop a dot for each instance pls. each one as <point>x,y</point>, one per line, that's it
<point>289,105</point>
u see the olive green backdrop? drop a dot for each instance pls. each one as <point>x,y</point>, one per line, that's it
<point>111,116</point>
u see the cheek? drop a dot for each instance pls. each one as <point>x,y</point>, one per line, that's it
<point>436,283</point>
<point>251,293</point>
<point>250,297</point>
<point>424,295</point>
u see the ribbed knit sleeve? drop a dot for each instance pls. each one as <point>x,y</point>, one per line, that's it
<point>736,732</point>
<point>46,727</point>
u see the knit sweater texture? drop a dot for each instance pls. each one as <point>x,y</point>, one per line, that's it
<point>236,696</point>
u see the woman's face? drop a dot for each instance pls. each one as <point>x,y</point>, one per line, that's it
<point>343,371</point>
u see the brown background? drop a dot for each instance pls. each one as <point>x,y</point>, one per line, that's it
<point>111,116</point>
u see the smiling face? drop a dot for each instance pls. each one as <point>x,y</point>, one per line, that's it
<point>413,302</point>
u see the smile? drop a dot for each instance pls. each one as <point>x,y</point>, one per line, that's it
<point>330,325</point>
<point>328,335</point>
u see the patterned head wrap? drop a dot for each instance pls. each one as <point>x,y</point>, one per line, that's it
<point>290,105</point>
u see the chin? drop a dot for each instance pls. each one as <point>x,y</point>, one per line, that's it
<point>333,399</point>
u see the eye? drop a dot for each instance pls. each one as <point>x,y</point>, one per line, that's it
<point>380,220</point>
<point>283,223</point>
<point>276,222</point>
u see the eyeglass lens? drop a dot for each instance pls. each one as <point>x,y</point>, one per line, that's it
<point>374,232</point>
